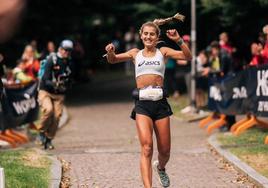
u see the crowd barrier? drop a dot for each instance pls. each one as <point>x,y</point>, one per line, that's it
<point>19,106</point>
<point>241,93</point>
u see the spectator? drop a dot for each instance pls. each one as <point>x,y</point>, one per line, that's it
<point>202,79</point>
<point>53,86</point>
<point>221,65</point>
<point>257,57</point>
<point>225,43</point>
<point>28,66</point>
<point>219,59</point>
<point>34,45</point>
<point>265,49</point>
<point>50,48</point>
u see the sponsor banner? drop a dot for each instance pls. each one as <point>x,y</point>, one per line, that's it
<point>19,106</point>
<point>240,93</point>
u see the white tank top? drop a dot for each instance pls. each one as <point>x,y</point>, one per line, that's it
<point>149,65</point>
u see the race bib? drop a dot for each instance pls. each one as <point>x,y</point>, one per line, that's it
<point>151,93</point>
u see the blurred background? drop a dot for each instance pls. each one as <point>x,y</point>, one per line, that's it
<point>95,23</point>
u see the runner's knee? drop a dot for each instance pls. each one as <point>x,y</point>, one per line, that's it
<point>147,150</point>
<point>164,152</point>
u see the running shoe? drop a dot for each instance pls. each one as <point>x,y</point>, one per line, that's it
<point>40,139</point>
<point>163,177</point>
<point>48,144</point>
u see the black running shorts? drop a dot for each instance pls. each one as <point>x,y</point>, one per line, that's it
<point>154,109</point>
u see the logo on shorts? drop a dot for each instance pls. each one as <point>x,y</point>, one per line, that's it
<point>149,63</point>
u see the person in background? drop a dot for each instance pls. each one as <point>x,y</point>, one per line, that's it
<point>53,86</point>
<point>201,79</point>
<point>221,65</point>
<point>27,70</point>
<point>225,43</point>
<point>265,48</point>
<point>50,48</point>
<point>257,57</point>
<point>34,45</point>
<point>28,66</point>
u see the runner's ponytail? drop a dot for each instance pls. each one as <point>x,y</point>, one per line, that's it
<point>162,21</point>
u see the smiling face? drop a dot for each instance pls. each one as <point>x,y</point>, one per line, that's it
<point>149,34</point>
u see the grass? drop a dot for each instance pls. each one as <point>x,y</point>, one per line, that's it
<point>178,104</point>
<point>249,147</point>
<point>25,168</point>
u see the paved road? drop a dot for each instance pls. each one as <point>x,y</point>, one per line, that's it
<point>101,144</point>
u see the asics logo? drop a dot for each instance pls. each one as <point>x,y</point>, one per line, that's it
<point>149,63</point>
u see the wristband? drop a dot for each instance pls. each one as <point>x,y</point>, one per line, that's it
<point>180,42</point>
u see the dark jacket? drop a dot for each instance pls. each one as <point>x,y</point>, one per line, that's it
<point>57,76</point>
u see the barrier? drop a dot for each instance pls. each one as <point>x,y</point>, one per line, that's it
<point>266,140</point>
<point>19,106</point>
<point>247,123</point>
<point>240,122</point>
<point>239,93</point>
<point>213,121</point>
<point>217,124</point>
<point>203,123</point>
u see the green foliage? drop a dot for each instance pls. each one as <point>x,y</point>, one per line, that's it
<point>263,2</point>
<point>97,21</point>
<point>230,12</point>
<point>212,4</point>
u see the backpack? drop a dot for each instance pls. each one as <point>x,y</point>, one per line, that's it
<point>43,63</point>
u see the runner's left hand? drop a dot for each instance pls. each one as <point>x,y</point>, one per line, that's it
<point>173,35</point>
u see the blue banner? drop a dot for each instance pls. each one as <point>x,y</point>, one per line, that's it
<point>240,93</point>
<point>19,106</point>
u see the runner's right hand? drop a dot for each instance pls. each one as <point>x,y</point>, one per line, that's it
<point>110,48</point>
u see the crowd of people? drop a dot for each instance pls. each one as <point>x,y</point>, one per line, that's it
<point>53,69</point>
<point>217,59</point>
